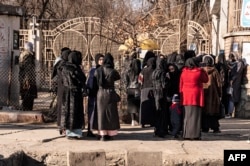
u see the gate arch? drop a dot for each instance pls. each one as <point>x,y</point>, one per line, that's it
<point>86,34</point>
<point>168,37</point>
<point>198,38</point>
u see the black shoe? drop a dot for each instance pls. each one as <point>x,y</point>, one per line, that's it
<point>90,134</point>
<point>205,130</point>
<point>216,131</point>
<point>107,137</point>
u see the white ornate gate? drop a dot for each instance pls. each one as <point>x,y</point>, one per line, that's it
<point>198,38</point>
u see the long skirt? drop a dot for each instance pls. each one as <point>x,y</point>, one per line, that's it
<point>192,122</point>
<point>133,98</point>
<point>147,107</point>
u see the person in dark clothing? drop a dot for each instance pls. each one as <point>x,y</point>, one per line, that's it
<point>189,54</point>
<point>107,99</point>
<point>147,107</point>
<point>212,93</point>
<point>235,73</point>
<point>148,55</point>
<point>159,84</point>
<point>173,76</point>
<point>93,89</point>
<point>57,86</point>
<point>133,88</point>
<point>27,77</point>
<point>176,116</point>
<point>179,62</point>
<point>221,66</point>
<point>73,81</point>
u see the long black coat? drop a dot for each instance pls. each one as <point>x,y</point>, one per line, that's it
<point>147,106</point>
<point>72,100</point>
<point>107,113</point>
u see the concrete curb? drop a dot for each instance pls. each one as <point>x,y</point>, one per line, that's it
<point>21,117</point>
<point>102,158</point>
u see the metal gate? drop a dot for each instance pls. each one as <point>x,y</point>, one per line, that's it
<point>90,36</point>
<point>168,37</point>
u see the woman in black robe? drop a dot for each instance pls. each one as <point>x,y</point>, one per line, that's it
<point>133,88</point>
<point>73,80</point>
<point>107,99</point>
<point>147,107</point>
<point>159,83</point>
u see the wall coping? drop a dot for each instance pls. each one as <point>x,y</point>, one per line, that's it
<point>241,33</point>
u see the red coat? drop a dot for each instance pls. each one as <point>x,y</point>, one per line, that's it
<point>191,86</point>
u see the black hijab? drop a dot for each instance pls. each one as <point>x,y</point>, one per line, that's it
<point>97,57</point>
<point>108,61</point>
<point>191,63</point>
<point>75,57</point>
<point>148,55</point>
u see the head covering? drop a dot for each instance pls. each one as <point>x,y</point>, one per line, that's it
<point>151,63</point>
<point>161,64</point>
<point>232,56</point>
<point>65,54</point>
<point>176,98</point>
<point>148,55</point>
<point>189,54</point>
<point>108,61</point>
<point>208,60</point>
<point>75,57</point>
<point>28,46</point>
<point>97,57</point>
<point>221,58</point>
<point>190,63</point>
<point>64,49</point>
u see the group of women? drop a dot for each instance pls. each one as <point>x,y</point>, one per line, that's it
<point>201,81</point>
<point>150,87</point>
<point>72,87</point>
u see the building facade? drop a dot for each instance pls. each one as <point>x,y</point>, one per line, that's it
<point>230,36</point>
<point>9,51</point>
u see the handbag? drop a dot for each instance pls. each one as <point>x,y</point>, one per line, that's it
<point>222,111</point>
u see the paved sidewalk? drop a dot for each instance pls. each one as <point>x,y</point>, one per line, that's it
<point>43,144</point>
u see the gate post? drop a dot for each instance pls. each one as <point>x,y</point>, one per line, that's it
<point>35,37</point>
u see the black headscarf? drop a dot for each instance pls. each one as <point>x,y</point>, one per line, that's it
<point>97,57</point>
<point>108,61</point>
<point>189,54</point>
<point>75,57</point>
<point>62,60</point>
<point>221,58</point>
<point>191,63</point>
<point>65,54</point>
<point>148,55</point>
<point>151,63</point>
